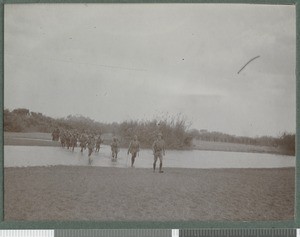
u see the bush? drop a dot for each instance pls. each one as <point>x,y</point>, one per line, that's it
<point>288,142</point>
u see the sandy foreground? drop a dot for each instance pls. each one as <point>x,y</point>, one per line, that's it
<point>98,193</point>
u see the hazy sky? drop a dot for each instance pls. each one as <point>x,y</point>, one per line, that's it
<point>115,62</point>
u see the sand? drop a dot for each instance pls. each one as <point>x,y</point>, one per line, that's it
<point>103,194</point>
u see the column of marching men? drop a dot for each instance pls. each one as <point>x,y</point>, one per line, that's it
<point>71,138</point>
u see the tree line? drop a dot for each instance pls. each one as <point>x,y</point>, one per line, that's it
<point>176,130</point>
<point>285,141</point>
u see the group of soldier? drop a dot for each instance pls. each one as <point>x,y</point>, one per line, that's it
<point>69,139</point>
<point>91,141</point>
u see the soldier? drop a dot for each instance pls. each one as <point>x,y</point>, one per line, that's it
<point>73,141</point>
<point>68,139</point>
<point>55,134</point>
<point>82,141</point>
<point>158,148</point>
<point>91,145</point>
<point>134,148</point>
<point>62,138</point>
<point>114,149</point>
<point>98,142</point>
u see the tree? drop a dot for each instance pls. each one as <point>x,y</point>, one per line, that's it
<point>21,112</point>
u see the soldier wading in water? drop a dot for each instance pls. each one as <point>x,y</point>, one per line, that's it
<point>134,148</point>
<point>114,149</point>
<point>158,148</point>
<point>98,142</point>
<point>91,145</point>
<point>83,140</point>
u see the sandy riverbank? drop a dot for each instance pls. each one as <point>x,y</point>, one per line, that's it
<point>97,193</point>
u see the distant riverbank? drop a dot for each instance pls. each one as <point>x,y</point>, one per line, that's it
<point>29,139</point>
<point>235,147</point>
<point>45,139</point>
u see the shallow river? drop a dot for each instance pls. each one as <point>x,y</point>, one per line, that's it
<point>21,156</point>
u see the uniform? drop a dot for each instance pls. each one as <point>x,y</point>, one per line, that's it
<point>63,139</point>
<point>73,141</point>
<point>83,141</point>
<point>134,148</point>
<point>91,145</point>
<point>158,152</point>
<point>68,140</point>
<point>114,148</point>
<point>98,142</point>
<point>55,135</point>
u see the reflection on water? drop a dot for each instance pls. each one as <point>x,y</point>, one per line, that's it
<point>20,156</point>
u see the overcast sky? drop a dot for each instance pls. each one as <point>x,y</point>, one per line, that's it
<point>115,62</point>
